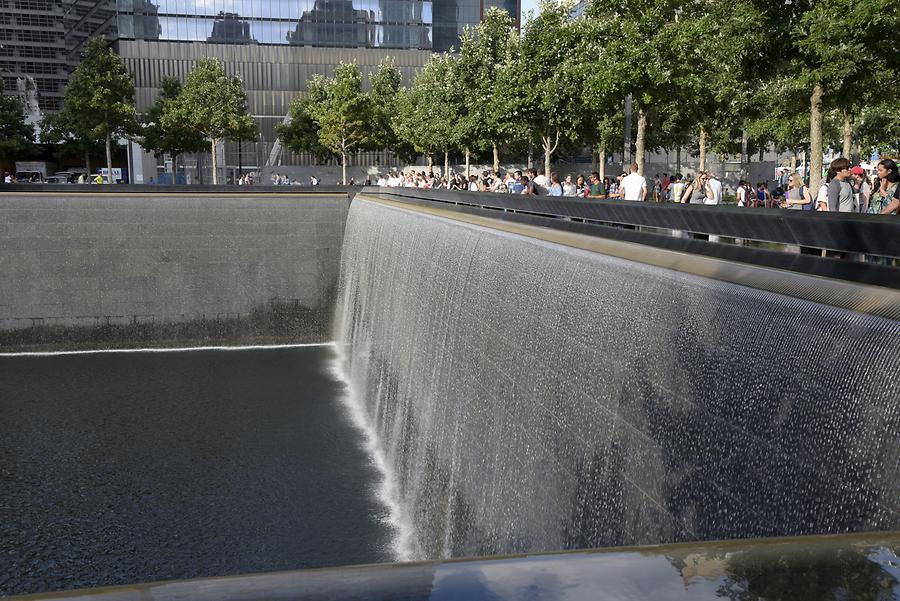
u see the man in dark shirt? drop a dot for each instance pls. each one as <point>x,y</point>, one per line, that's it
<point>596,187</point>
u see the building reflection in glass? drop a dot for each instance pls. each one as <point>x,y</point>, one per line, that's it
<point>228,28</point>
<point>414,24</point>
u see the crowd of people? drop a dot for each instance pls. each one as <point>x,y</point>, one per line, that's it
<point>845,189</point>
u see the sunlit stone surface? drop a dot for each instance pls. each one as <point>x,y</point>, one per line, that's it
<point>534,397</point>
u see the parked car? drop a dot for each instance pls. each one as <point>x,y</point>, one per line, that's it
<point>71,175</point>
<point>58,179</point>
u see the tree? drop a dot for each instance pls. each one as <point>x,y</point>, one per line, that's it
<point>211,105</point>
<point>159,138</point>
<point>549,96</point>
<point>301,132</point>
<point>428,112</point>
<point>635,38</point>
<point>343,114</point>
<point>385,87</point>
<point>879,127</point>
<point>713,95</point>
<point>485,51</point>
<point>70,137</point>
<point>16,136</point>
<point>99,99</point>
<point>840,44</point>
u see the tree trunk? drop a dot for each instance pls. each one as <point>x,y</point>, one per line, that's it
<point>601,160</point>
<point>548,154</point>
<point>530,156</point>
<point>109,173</point>
<point>745,156</point>
<point>343,167</point>
<point>468,156</point>
<point>626,141</point>
<point>678,163</point>
<point>429,162</point>
<point>702,166</point>
<point>857,154</point>
<point>803,170</point>
<point>794,160</point>
<point>639,143</point>
<point>215,163</point>
<point>815,137</point>
<point>594,159</point>
<point>87,164</point>
<point>848,136</point>
<point>447,165</point>
<point>496,158</point>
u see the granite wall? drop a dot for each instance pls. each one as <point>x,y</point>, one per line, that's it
<point>94,269</point>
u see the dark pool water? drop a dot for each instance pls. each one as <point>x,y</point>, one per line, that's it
<point>135,467</point>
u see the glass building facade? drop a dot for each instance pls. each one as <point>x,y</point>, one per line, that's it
<point>403,24</point>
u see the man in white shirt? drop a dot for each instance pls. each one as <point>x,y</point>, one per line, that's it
<point>634,185</point>
<point>713,191</point>
<point>541,181</point>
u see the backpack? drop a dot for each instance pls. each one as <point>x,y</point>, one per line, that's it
<point>811,205</point>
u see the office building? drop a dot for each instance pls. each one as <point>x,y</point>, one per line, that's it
<point>275,46</point>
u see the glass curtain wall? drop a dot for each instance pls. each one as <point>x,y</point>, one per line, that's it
<point>335,23</point>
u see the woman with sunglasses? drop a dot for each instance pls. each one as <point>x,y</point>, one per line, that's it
<point>797,196</point>
<point>695,193</point>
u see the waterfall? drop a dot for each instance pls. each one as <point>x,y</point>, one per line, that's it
<point>528,396</point>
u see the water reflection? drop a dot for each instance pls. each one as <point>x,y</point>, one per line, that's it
<point>810,569</point>
<point>856,567</point>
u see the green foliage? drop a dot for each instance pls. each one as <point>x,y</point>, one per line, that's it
<point>100,93</point>
<point>99,98</point>
<point>172,140</point>
<point>211,105</point>
<point>385,84</point>
<point>428,113</point>
<point>879,127</point>
<point>726,69</point>
<point>16,136</point>
<point>341,112</point>
<point>549,92</point>
<point>486,64</point>
<point>301,132</point>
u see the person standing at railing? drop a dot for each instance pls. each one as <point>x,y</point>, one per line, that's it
<point>862,187</point>
<point>841,196</point>
<point>713,190</point>
<point>885,198</point>
<point>695,193</point>
<point>595,186</point>
<point>797,196</point>
<point>634,185</point>
<point>676,188</point>
<point>555,188</point>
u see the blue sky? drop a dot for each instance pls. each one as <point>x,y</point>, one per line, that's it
<point>528,5</point>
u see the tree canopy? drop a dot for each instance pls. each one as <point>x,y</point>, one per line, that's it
<point>167,138</point>
<point>732,78</point>
<point>211,105</point>
<point>16,136</point>
<point>99,100</point>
